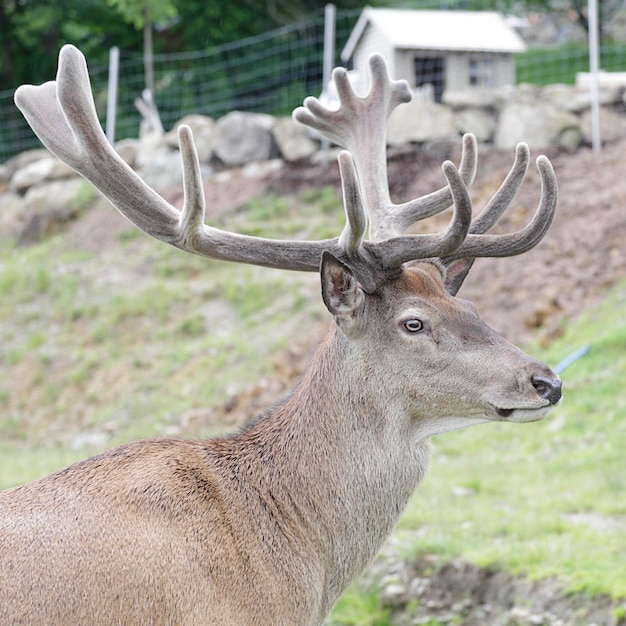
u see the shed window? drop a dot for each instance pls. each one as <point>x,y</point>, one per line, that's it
<point>481,72</point>
<point>430,71</point>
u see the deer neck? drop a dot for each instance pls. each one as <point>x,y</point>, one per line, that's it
<point>345,464</point>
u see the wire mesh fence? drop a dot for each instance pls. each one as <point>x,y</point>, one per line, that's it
<point>272,73</point>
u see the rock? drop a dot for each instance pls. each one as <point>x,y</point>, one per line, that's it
<point>244,137</point>
<point>157,163</point>
<point>477,121</point>
<point>11,212</point>
<point>562,96</point>
<point>478,97</point>
<point>164,170</point>
<point>576,99</point>
<point>61,170</point>
<point>606,98</point>
<point>570,139</point>
<point>606,80</point>
<point>261,169</point>
<point>420,122</point>
<point>148,148</point>
<point>538,124</point>
<point>127,149</point>
<point>5,174</point>
<point>71,195</point>
<point>46,207</point>
<point>292,140</point>
<point>612,125</point>
<point>48,168</point>
<point>203,130</point>
<point>30,175</point>
<point>440,150</point>
<point>393,594</point>
<point>25,158</point>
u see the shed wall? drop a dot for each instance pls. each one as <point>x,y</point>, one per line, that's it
<point>371,42</point>
<point>457,74</point>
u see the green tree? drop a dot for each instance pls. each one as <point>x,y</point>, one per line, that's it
<point>32,31</point>
<point>142,12</point>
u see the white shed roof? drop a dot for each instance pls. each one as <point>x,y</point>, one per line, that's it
<point>437,30</point>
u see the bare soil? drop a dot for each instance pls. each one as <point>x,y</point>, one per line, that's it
<point>431,591</point>
<point>583,253</point>
<point>522,297</point>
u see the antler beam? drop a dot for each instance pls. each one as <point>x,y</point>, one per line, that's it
<point>62,114</point>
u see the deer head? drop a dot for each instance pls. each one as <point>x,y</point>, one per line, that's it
<point>271,524</point>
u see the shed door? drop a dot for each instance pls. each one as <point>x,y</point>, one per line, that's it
<point>429,71</point>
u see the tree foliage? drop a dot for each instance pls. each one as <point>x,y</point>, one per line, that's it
<point>142,12</point>
<point>33,31</point>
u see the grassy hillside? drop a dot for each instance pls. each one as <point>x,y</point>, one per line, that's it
<point>106,341</point>
<point>546,498</point>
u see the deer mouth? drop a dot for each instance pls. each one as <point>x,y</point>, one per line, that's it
<point>503,412</point>
<point>522,414</point>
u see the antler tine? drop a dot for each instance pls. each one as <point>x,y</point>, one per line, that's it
<point>479,245</point>
<point>359,125</point>
<point>194,206</point>
<point>505,194</point>
<point>405,248</point>
<point>407,213</point>
<point>42,111</point>
<point>62,113</point>
<point>351,238</point>
<point>374,261</point>
<point>371,112</point>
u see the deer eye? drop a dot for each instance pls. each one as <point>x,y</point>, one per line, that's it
<point>413,325</point>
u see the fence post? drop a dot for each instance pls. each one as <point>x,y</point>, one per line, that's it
<point>329,60</point>
<point>594,68</point>
<point>114,70</point>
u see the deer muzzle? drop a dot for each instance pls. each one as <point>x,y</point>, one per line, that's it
<point>548,388</point>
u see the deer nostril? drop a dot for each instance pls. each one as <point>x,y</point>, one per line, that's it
<point>547,388</point>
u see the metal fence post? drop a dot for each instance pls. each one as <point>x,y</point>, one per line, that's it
<point>329,60</point>
<point>114,70</point>
<point>594,68</point>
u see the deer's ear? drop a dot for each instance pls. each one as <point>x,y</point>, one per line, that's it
<point>341,292</point>
<point>456,271</point>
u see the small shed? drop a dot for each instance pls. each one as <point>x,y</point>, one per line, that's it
<point>436,50</point>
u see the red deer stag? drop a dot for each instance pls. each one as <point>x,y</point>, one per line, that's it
<point>271,524</point>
